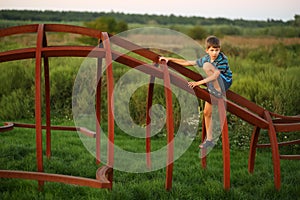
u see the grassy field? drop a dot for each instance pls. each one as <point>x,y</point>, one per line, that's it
<point>190,181</point>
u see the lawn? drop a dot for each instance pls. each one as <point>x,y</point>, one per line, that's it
<point>269,59</point>
<point>190,180</point>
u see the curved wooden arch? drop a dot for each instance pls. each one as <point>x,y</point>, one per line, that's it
<point>236,104</point>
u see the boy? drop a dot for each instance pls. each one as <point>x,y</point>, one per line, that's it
<point>218,80</point>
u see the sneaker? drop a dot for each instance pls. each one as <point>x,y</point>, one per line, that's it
<point>213,91</point>
<point>206,144</point>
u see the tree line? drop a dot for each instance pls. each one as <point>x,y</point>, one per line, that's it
<point>59,16</point>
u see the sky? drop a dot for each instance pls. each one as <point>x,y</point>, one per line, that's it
<point>232,9</point>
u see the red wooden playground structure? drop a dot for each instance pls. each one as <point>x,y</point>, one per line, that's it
<point>237,105</point>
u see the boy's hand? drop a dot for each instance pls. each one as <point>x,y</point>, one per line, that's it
<point>193,84</point>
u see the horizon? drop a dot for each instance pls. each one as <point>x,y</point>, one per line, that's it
<point>284,10</point>
<point>155,14</point>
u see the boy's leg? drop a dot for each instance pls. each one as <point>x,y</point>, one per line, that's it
<point>207,112</point>
<point>208,125</point>
<point>209,70</point>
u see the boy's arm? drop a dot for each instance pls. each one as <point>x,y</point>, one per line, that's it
<point>179,61</point>
<point>215,74</point>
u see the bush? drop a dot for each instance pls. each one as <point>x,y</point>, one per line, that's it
<point>197,33</point>
<point>16,96</point>
<point>104,24</point>
<point>19,104</point>
<point>62,76</point>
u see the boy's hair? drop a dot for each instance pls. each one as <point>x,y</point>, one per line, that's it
<point>212,41</point>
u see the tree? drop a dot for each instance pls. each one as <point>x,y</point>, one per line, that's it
<point>197,33</point>
<point>297,20</point>
<point>104,24</point>
<point>107,24</point>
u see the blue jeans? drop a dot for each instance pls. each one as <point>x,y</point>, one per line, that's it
<point>224,84</point>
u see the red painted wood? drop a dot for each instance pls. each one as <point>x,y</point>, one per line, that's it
<point>253,146</point>
<point>290,157</point>
<point>170,126</point>
<point>98,108</point>
<point>110,97</point>
<point>100,182</point>
<point>30,28</point>
<point>73,29</point>
<point>38,103</point>
<point>274,149</point>
<point>148,121</point>
<point>225,144</point>
<point>203,151</point>
<point>8,126</point>
<point>47,100</point>
<point>287,127</point>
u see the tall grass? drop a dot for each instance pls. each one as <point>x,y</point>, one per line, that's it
<point>190,180</point>
<point>266,71</point>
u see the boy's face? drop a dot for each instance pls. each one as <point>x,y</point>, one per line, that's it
<point>213,52</point>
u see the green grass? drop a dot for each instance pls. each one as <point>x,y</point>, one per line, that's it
<point>190,181</point>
